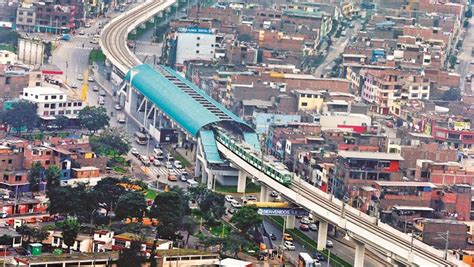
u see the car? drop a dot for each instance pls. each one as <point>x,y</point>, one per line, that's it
<point>169,166</point>
<point>145,160</point>
<point>134,152</point>
<point>289,245</point>
<point>82,32</point>
<point>90,79</point>
<point>79,77</point>
<point>235,204</point>
<point>118,107</point>
<point>102,93</point>
<point>178,164</point>
<point>169,157</point>
<point>287,237</point>
<point>313,227</point>
<point>273,237</point>
<point>248,198</point>
<point>172,177</point>
<point>184,176</point>
<point>318,256</point>
<point>151,158</point>
<point>95,88</point>
<point>229,198</point>
<point>304,227</point>
<point>329,244</point>
<point>3,215</point>
<point>305,220</point>
<point>73,85</point>
<point>101,101</point>
<point>94,41</point>
<point>231,210</point>
<point>157,163</point>
<point>87,25</point>
<point>274,194</point>
<point>191,183</point>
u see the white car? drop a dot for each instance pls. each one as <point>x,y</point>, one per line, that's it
<point>117,107</point>
<point>157,163</point>
<point>313,227</point>
<point>134,151</point>
<point>178,164</point>
<point>90,79</point>
<point>289,245</point>
<point>249,198</point>
<point>169,166</point>
<point>235,204</point>
<point>73,85</point>
<point>305,220</point>
<point>79,77</point>
<point>95,88</point>
<point>329,244</point>
<point>229,198</point>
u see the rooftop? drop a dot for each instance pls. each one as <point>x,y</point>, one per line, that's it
<point>405,184</point>
<point>370,155</point>
<point>183,252</point>
<point>42,90</point>
<point>66,257</point>
<point>412,208</point>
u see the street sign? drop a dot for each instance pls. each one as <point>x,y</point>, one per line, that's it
<point>283,212</point>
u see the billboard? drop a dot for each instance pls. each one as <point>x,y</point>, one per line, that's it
<point>283,212</point>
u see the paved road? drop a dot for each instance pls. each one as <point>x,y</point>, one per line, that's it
<point>465,58</point>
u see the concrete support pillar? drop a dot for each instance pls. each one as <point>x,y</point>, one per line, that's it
<point>180,138</point>
<point>290,222</point>
<point>359,254</point>
<point>322,235</point>
<point>206,178</point>
<point>241,181</point>
<point>263,193</point>
<point>197,169</point>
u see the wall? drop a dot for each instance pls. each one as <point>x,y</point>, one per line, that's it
<point>190,43</point>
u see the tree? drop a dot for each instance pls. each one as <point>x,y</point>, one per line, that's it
<point>34,176</point>
<point>70,227</point>
<point>61,121</point>
<point>189,226</point>
<point>53,176</point>
<point>62,200</point>
<point>6,240</point>
<point>21,115</point>
<point>246,218</point>
<point>468,13</point>
<point>108,192</point>
<point>452,61</point>
<point>169,208</point>
<point>111,141</point>
<point>213,206</point>
<point>31,234</point>
<point>93,118</point>
<point>131,256</point>
<point>48,49</point>
<point>465,24</point>
<point>131,205</point>
<point>453,94</point>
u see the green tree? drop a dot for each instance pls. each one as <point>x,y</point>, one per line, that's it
<point>34,176</point>
<point>465,24</point>
<point>48,50</point>
<point>452,61</point>
<point>9,36</point>
<point>468,13</point>
<point>61,121</point>
<point>453,94</point>
<point>131,256</point>
<point>53,176</point>
<point>108,192</point>
<point>189,226</point>
<point>93,118</point>
<point>62,200</point>
<point>169,208</point>
<point>212,206</point>
<point>70,227</point>
<point>21,115</point>
<point>6,240</point>
<point>31,234</point>
<point>131,205</point>
<point>246,218</point>
<point>111,141</point>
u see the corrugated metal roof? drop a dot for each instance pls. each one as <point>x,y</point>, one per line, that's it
<point>370,155</point>
<point>180,99</point>
<point>208,141</point>
<point>252,139</point>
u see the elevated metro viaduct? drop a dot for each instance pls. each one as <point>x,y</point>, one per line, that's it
<point>161,98</point>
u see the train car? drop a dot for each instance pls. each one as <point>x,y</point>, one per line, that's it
<point>272,169</point>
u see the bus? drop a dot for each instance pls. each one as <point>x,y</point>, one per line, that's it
<point>305,260</point>
<point>141,138</point>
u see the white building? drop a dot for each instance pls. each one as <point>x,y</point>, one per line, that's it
<point>342,119</point>
<point>195,44</point>
<point>7,57</point>
<point>52,102</point>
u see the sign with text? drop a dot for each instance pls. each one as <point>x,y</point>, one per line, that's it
<point>195,30</point>
<point>283,212</point>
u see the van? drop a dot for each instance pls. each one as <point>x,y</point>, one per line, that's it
<point>192,183</point>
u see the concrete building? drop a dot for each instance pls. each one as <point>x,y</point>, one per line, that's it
<point>195,44</point>
<point>263,121</point>
<point>343,120</point>
<point>52,102</point>
<point>309,100</point>
<point>26,17</point>
<point>7,57</point>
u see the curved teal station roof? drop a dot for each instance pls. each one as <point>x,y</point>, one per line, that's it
<point>179,98</point>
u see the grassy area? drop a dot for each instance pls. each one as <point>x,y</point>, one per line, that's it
<point>96,56</point>
<point>151,194</point>
<point>119,169</point>
<point>8,47</point>
<point>308,242</point>
<point>179,157</point>
<point>249,189</point>
<point>221,230</point>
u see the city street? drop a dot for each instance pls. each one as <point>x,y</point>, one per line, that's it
<point>465,58</point>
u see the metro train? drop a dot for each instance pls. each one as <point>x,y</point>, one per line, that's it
<point>281,175</point>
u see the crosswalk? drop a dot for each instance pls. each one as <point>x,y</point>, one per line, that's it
<point>154,171</point>
<point>73,46</point>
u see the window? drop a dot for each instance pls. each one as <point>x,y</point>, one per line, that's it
<point>304,104</point>
<point>60,105</point>
<point>60,97</point>
<point>75,104</point>
<point>197,44</point>
<point>198,38</point>
<point>47,162</point>
<point>46,98</point>
<point>69,104</point>
<point>46,105</point>
<point>197,51</point>
<point>29,20</point>
<point>8,80</point>
<point>10,161</point>
<point>36,96</point>
<point>18,178</point>
<point>53,106</point>
<point>53,97</point>
<point>79,104</point>
<point>52,113</point>
<point>5,177</point>
<point>38,75</point>
<point>38,83</point>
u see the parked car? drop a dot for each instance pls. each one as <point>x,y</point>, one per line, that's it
<point>118,107</point>
<point>102,93</point>
<point>229,198</point>
<point>184,176</point>
<point>305,220</point>
<point>235,204</point>
<point>274,194</point>
<point>329,244</point>
<point>318,256</point>
<point>313,227</point>
<point>289,245</point>
<point>191,183</point>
